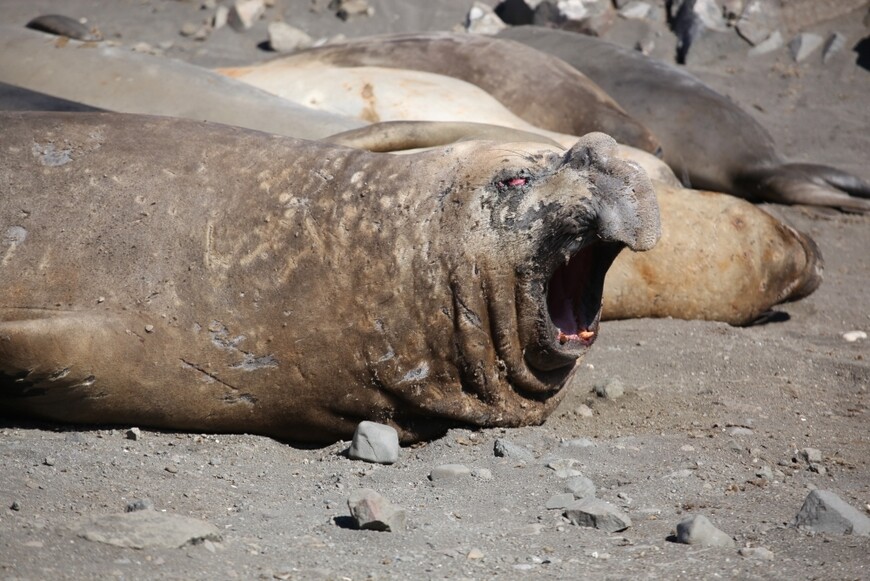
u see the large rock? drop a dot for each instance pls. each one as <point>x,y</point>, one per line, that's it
<point>375,442</point>
<point>698,530</point>
<point>825,512</point>
<point>145,529</point>
<point>599,514</point>
<point>372,511</point>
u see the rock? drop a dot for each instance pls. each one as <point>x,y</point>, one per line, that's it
<point>372,511</point>
<point>833,45</point>
<point>853,336</point>
<point>475,554</point>
<point>285,38</point>
<point>145,529</point>
<point>811,455</point>
<point>772,43</point>
<point>578,443</point>
<point>507,449</point>
<point>482,473</point>
<point>583,410</point>
<point>635,10</point>
<point>16,506</point>
<point>759,19</point>
<point>375,442</point>
<point>599,514</point>
<point>134,434</point>
<point>221,16</point>
<point>739,431</point>
<point>563,500</point>
<point>348,8</point>
<point>580,487</point>
<point>803,45</point>
<point>482,19</point>
<point>447,472</point>
<point>825,512</point>
<point>244,13</point>
<point>698,530</point>
<point>610,389</point>
<point>188,29</point>
<point>49,461</point>
<point>598,19</point>
<point>756,553</point>
<point>139,504</point>
<point>572,9</point>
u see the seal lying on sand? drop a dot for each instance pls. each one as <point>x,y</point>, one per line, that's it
<point>192,276</point>
<point>540,89</point>
<point>707,139</point>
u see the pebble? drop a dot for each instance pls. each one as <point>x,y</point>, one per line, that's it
<point>482,19</point>
<point>482,473</point>
<point>825,512</point>
<point>221,16</point>
<point>139,504</point>
<point>757,21</point>
<point>348,8</point>
<point>146,529</point>
<point>756,553</point>
<point>48,461</point>
<point>474,554</point>
<point>811,455</point>
<point>599,514</point>
<point>578,443</point>
<point>833,45</point>
<point>739,431</point>
<point>563,500</point>
<point>171,469</point>
<point>188,29</point>
<point>580,487</point>
<point>610,389</point>
<point>375,442</point>
<point>372,511</point>
<point>447,472</point>
<point>507,449</point>
<point>635,10</point>
<point>134,434</point>
<point>770,44</point>
<point>583,410</point>
<point>244,13</point>
<point>16,506</point>
<point>803,45</point>
<point>853,336</point>
<point>286,39</point>
<point>698,530</point>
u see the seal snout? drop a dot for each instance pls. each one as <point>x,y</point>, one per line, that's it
<point>623,196</point>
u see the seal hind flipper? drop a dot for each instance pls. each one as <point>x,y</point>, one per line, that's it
<point>809,184</point>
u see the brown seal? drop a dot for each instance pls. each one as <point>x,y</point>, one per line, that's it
<point>169,273</point>
<point>709,141</point>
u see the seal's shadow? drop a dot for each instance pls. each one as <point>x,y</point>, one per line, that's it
<point>863,50</point>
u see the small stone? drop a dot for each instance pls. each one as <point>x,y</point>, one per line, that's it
<point>146,529</point>
<point>564,473</point>
<point>507,449</point>
<point>770,44</point>
<point>171,469</point>
<point>188,29</point>
<point>803,45</point>
<point>375,442</point>
<point>578,443</point>
<point>825,512</point>
<point>583,410</point>
<point>134,434</point>
<point>560,501</point>
<point>580,487</point>
<point>142,47</point>
<point>599,514</point>
<point>482,19</point>
<point>221,16</point>
<point>139,504</point>
<point>286,39</point>
<point>474,554</point>
<point>610,389</point>
<point>482,473</point>
<point>765,472</point>
<point>349,8</point>
<point>759,19</point>
<point>853,336</point>
<point>698,530</point>
<point>635,10</point>
<point>16,506</point>
<point>811,455</point>
<point>372,511</point>
<point>739,431</point>
<point>447,472</point>
<point>756,553</point>
<point>48,461</point>
<point>244,13</point>
<point>818,469</point>
<point>833,45</point>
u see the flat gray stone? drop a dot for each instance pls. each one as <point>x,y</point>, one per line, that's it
<point>580,487</point>
<point>803,45</point>
<point>560,501</point>
<point>756,553</point>
<point>448,472</point>
<point>770,44</point>
<point>698,530</point>
<point>833,45</point>
<point>145,529</point>
<point>284,38</point>
<point>578,443</point>
<point>811,455</point>
<point>507,449</point>
<point>610,389</point>
<point>374,442</point>
<point>825,512</point>
<point>371,511</point>
<point>598,514</point>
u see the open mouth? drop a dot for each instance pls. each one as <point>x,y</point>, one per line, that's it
<point>572,298</point>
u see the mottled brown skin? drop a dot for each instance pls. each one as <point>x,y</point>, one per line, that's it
<point>519,77</point>
<point>182,275</point>
<point>719,259</point>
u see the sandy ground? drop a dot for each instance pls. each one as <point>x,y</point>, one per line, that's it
<point>707,406</point>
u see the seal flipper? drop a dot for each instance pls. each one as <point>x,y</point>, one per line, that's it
<point>809,184</point>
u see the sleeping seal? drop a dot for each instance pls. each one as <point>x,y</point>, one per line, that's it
<point>169,273</point>
<point>709,141</point>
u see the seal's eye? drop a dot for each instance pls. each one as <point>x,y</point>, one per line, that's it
<point>514,182</point>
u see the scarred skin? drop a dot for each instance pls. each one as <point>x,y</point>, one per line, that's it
<point>190,276</point>
<point>512,73</point>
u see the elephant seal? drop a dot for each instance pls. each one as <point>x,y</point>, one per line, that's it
<point>193,276</point>
<point>513,73</point>
<point>117,79</point>
<point>709,141</point>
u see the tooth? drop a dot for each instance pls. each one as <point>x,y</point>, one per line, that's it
<point>586,334</point>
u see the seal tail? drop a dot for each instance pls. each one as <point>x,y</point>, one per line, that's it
<point>809,184</point>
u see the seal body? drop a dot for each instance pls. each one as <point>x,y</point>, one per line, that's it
<point>709,141</point>
<point>191,276</point>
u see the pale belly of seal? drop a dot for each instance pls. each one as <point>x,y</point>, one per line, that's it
<point>191,276</point>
